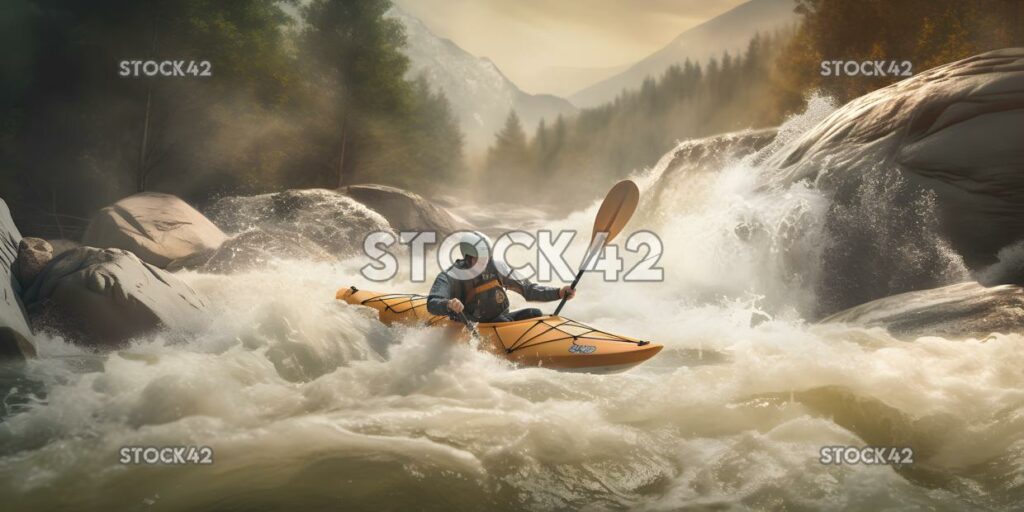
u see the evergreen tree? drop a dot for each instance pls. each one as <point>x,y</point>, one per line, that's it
<point>508,160</point>
<point>434,155</point>
<point>279,109</point>
<point>606,143</point>
<point>73,121</point>
<point>357,56</point>
<point>926,33</point>
<point>540,148</point>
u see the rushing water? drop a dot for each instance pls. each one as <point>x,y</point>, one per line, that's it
<point>311,404</point>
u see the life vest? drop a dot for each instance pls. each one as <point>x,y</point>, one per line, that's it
<point>485,296</point>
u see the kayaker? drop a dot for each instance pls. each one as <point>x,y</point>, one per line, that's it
<point>484,296</point>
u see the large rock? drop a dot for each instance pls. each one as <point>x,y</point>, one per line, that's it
<point>62,245</point>
<point>15,334</point>
<point>404,210</point>
<point>956,311</point>
<point>334,221</point>
<point>692,158</point>
<point>257,248</point>
<point>158,228</point>
<point>104,297</point>
<point>925,175</point>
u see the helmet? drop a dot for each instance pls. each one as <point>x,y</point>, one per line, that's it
<point>474,244</point>
<point>471,244</point>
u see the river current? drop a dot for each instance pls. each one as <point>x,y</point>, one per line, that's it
<point>311,404</point>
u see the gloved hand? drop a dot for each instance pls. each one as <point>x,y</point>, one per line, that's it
<point>455,306</point>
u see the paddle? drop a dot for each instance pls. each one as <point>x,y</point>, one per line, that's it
<point>469,325</point>
<point>615,212</point>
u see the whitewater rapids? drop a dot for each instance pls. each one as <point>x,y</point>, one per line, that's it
<point>311,404</point>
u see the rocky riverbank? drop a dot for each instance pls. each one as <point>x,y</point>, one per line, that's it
<point>118,283</point>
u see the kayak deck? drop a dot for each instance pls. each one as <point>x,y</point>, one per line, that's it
<point>548,341</point>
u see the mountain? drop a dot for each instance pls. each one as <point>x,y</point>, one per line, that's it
<point>565,80</point>
<point>730,32</point>
<point>480,95</point>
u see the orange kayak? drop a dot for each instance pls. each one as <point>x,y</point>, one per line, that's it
<point>548,341</point>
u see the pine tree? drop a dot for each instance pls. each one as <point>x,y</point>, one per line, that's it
<point>508,160</point>
<point>357,55</point>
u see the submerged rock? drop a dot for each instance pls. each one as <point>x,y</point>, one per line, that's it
<point>158,228</point>
<point>965,310</point>
<point>332,220</point>
<point>104,297</point>
<point>257,248</point>
<point>925,177</point>
<point>404,210</point>
<point>15,334</point>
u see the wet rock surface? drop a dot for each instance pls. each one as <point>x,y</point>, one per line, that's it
<point>256,249</point>
<point>404,210</point>
<point>105,297</point>
<point>964,310</point>
<point>33,255</point>
<point>15,334</point>
<point>158,228</point>
<point>334,221</point>
<point>926,177</point>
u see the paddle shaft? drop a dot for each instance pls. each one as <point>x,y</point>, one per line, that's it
<point>591,254</point>
<point>469,325</point>
<point>573,286</point>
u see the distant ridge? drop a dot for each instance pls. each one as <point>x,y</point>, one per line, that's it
<point>480,94</point>
<point>730,32</point>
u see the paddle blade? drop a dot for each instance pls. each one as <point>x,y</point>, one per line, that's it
<point>612,216</point>
<point>616,210</point>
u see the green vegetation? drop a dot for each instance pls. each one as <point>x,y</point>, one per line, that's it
<point>291,103</point>
<point>759,88</point>
<point>313,94</point>
<point>927,33</point>
<point>603,144</point>
<point>508,157</point>
<point>379,127</point>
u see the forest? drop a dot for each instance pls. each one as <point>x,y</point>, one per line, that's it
<point>759,88</point>
<point>606,143</point>
<point>315,94</point>
<point>318,101</point>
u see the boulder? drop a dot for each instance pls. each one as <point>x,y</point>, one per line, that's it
<point>964,310</point>
<point>104,297</point>
<point>192,261</point>
<point>926,177</point>
<point>33,255</point>
<point>404,210</point>
<point>158,228</point>
<point>15,334</point>
<point>332,220</point>
<point>62,245</point>
<point>258,248</point>
<point>695,157</point>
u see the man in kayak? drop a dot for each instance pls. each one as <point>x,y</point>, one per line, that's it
<point>477,285</point>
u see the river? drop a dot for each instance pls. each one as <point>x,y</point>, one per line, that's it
<point>311,404</point>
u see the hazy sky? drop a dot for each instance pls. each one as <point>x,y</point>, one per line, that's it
<point>543,44</point>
